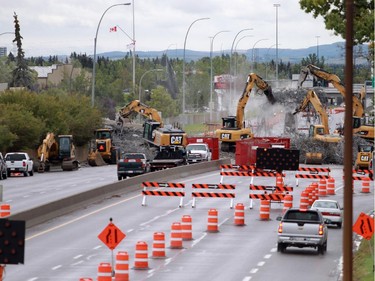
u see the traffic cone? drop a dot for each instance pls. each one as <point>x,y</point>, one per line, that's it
<point>212,221</point>
<point>104,272</point>
<point>176,238</point>
<point>122,266</point>
<point>141,255</point>
<point>186,228</point>
<point>158,247</point>
<point>239,214</point>
<point>264,210</point>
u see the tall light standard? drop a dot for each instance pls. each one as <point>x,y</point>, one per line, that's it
<point>252,53</point>
<point>94,61</point>
<point>183,64</point>
<point>211,75</point>
<point>277,41</point>
<point>140,81</point>
<point>235,51</point>
<point>230,63</point>
<point>267,57</point>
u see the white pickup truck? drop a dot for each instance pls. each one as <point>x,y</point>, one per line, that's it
<point>19,162</point>
<point>198,152</point>
<point>302,228</point>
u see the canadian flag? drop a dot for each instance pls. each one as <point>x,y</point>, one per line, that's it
<point>113,29</point>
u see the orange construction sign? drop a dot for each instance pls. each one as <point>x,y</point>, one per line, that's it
<point>364,226</point>
<point>111,236</point>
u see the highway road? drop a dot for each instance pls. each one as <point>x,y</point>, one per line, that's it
<point>68,247</point>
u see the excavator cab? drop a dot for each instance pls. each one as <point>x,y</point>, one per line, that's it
<point>229,122</point>
<point>65,146</point>
<point>148,130</point>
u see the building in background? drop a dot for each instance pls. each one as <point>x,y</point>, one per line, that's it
<point>3,51</point>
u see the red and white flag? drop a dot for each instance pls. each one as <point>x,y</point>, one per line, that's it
<point>113,29</point>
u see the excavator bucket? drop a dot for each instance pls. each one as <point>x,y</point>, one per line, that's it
<point>95,159</point>
<point>314,158</point>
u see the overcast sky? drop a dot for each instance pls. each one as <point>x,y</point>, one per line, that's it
<point>51,27</point>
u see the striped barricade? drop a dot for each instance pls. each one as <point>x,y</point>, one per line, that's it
<point>235,170</point>
<point>277,190</point>
<point>250,174</point>
<point>269,197</point>
<point>313,173</point>
<point>360,174</point>
<point>213,194</point>
<point>146,192</point>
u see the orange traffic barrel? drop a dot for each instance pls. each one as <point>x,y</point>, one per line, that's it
<point>264,210</point>
<point>85,279</point>
<point>239,214</point>
<point>141,255</point>
<point>331,186</point>
<point>122,266</point>
<point>4,210</point>
<point>288,202</point>
<point>309,190</point>
<point>158,247</point>
<point>304,201</point>
<point>104,272</point>
<point>365,185</point>
<point>186,228</point>
<point>176,237</point>
<point>279,181</point>
<point>322,188</point>
<point>212,221</point>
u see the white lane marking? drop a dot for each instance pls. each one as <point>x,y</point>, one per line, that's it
<point>223,221</point>
<point>261,263</point>
<point>267,256</point>
<point>8,201</point>
<point>254,270</point>
<point>77,263</point>
<point>97,247</point>
<point>33,279</point>
<point>130,230</point>
<point>273,250</point>
<point>77,257</point>
<point>56,267</point>
<point>247,278</point>
<point>196,241</point>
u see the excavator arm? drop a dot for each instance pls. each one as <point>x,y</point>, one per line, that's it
<point>312,97</point>
<point>136,106</point>
<point>252,79</point>
<point>335,81</point>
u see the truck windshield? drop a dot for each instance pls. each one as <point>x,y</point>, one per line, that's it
<point>196,147</point>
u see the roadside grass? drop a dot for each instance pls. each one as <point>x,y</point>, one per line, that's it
<point>363,261</point>
<point>195,129</point>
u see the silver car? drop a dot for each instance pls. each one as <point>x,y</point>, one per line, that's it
<point>330,209</point>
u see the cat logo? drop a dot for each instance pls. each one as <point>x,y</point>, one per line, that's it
<point>225,136</point>
<point>176,140</point>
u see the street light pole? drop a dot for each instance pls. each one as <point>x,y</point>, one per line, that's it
<point>140,81</point>
<point>183,64</point>
<point>211,74</point>
<point>252,53</point>
<point>277,41</point>
<point>94,60</point>
<point>230,64</point>
<point>235,51</point>
<point>267,57</point>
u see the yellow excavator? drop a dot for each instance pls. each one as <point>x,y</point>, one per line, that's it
<point>102,149</point>
<point>233,128</point>
<point>154,131</point>
<point>58,150</point>
<point>364,131</point>
<point>318,132</point>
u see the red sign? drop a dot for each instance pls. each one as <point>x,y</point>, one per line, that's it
<point>111,236</point>
<point>364,226</point>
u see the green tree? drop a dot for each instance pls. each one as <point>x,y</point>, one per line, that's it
<point>333,12</point>
<point>163,102</point>
<point>22,76</point>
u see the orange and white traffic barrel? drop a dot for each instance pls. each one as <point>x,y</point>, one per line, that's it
<point>141,255</point>
<point>288,202</point>
<point>365,185</point>
<point>122,266</point>
<point>331,186</point>
<point>309,190</point>
<point>158,247</point>
<point>279,181</point>
<point>239,214</point>
<point>212,221</point>
<point>4,210</point>
<point>176,237</point>
<point>186,228</point>
<point>304,201</point>
<point>264,210</point>
<point>104,272</point>
<point>86,279</point>
<point>322,188</point>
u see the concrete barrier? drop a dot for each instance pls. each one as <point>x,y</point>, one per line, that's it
<point>69,204</point>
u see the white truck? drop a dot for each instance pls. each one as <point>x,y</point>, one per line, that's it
<point>19,162</point>
<point>198,152</point>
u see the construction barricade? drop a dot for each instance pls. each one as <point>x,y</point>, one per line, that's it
<point>212,221</point>
<point>281,190</point>
<point>235,170</point>
<point>314,173</point>
<point>230,195</point>
<point>122,266</point>
<point>264,209</point>
<point>4,210</point>
<point>146,192</point>
<point>365,176</point>
<point>158,246</point>
<point>365,185</point>
<point>331,186</point>
<point>104,272</point>
<point>176,236</point>
<point>186,228</point>
<point>141,256</point>
<point>239,214</point>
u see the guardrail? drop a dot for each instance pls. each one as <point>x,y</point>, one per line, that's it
<point>75,202</point>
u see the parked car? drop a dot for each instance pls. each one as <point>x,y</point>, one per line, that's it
<point>19,162</point>
<point>3,168</point>
<point>330,209</point>
<point>302,228</point>
<point>132,164</point>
